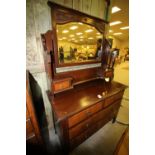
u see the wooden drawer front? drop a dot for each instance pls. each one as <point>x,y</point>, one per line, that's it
<point>61,85</point>
<point>29,128</point>
<point>113,98</point>
<point>78,140</point>
<point>85,129</point>
<point>86,124</point>
<point>84,114</point>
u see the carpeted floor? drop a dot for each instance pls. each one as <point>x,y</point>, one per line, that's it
<point>104,141</point>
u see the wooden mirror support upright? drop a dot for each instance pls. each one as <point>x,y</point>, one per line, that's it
<point>82,101</point>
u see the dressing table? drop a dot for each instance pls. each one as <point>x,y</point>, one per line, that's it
<point>81,98</point>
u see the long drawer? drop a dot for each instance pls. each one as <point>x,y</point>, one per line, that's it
<point>113,98</point>
<point>84,114</point>
<point>87,133</point>
<point>107,113</point>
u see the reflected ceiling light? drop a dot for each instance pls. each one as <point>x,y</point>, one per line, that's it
<point>72,35</point>
<point>81,37</point>
<point>79,33</point>
<point>115,9</point>
<point>90,38</point>
<point>115,23</point>
<point>110,31</point>
<point>75,41</point>
<point>65,31</point>
<point>124,28</point>
<point>98,36</point>
<point>73,27</point>
<point>80,23</point>
<point>89,30</point>
<point>60,39</point>
<point>64,38</point>
<point>118,33</point>
<point>98,33</point>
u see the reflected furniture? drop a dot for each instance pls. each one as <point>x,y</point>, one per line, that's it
<point>81,99</point>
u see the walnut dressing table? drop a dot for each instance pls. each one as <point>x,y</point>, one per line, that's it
<point>81,99</point>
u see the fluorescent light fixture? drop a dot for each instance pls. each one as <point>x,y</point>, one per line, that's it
<point>118,33</point>
<point>80,23</point>
<point>98,36</point>
<point>110,31</point>
<point>65,31</point>
<point>115,9</point>
<point>115,23</point>
<point>72,35</point>
<point>90,38</point>
<point>73,27</point>
<point>79,33</point>
<point>89,30</point>
<point>124,28</point>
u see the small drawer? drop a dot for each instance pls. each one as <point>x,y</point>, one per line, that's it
<point>113,98</point>
<point>29,128</point>
<point>61,85</point>
<point>84,114</point>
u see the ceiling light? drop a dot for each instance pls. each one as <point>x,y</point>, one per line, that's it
<point>65,31</point>
<point>118,33</point>
<point>124,28</point>
<point>89,30</point>
<point>110,30</point>
<point>79,33</point>
<point>72,35</point>
<point>80,23</point>
<point>115,9</point>
<point>115,23</point>
<point>73,27</point>
<point>98,36</point>
<point>90,38</point>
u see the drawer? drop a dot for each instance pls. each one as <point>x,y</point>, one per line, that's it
<point>61,85</point>
<point>86,124</point>
<point>113,98</point>
<point>29,128</point>
<point>78,140</point>
<point>75,119</point>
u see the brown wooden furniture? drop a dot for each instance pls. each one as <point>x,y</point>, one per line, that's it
<point>123,144</point>
<point>82,101</point>
<point>34,111</point>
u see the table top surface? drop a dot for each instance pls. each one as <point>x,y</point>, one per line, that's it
<point>82,96</point>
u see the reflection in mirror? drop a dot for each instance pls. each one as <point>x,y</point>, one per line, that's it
<point>78,42</point>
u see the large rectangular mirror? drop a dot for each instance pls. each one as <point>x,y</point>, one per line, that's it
<point>78,42</point>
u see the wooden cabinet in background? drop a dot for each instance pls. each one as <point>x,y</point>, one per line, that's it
<point>33,131</point>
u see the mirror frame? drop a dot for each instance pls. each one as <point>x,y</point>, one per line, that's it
<point>63,15</point>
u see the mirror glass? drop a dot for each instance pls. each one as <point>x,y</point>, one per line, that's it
<point>78,42</point>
